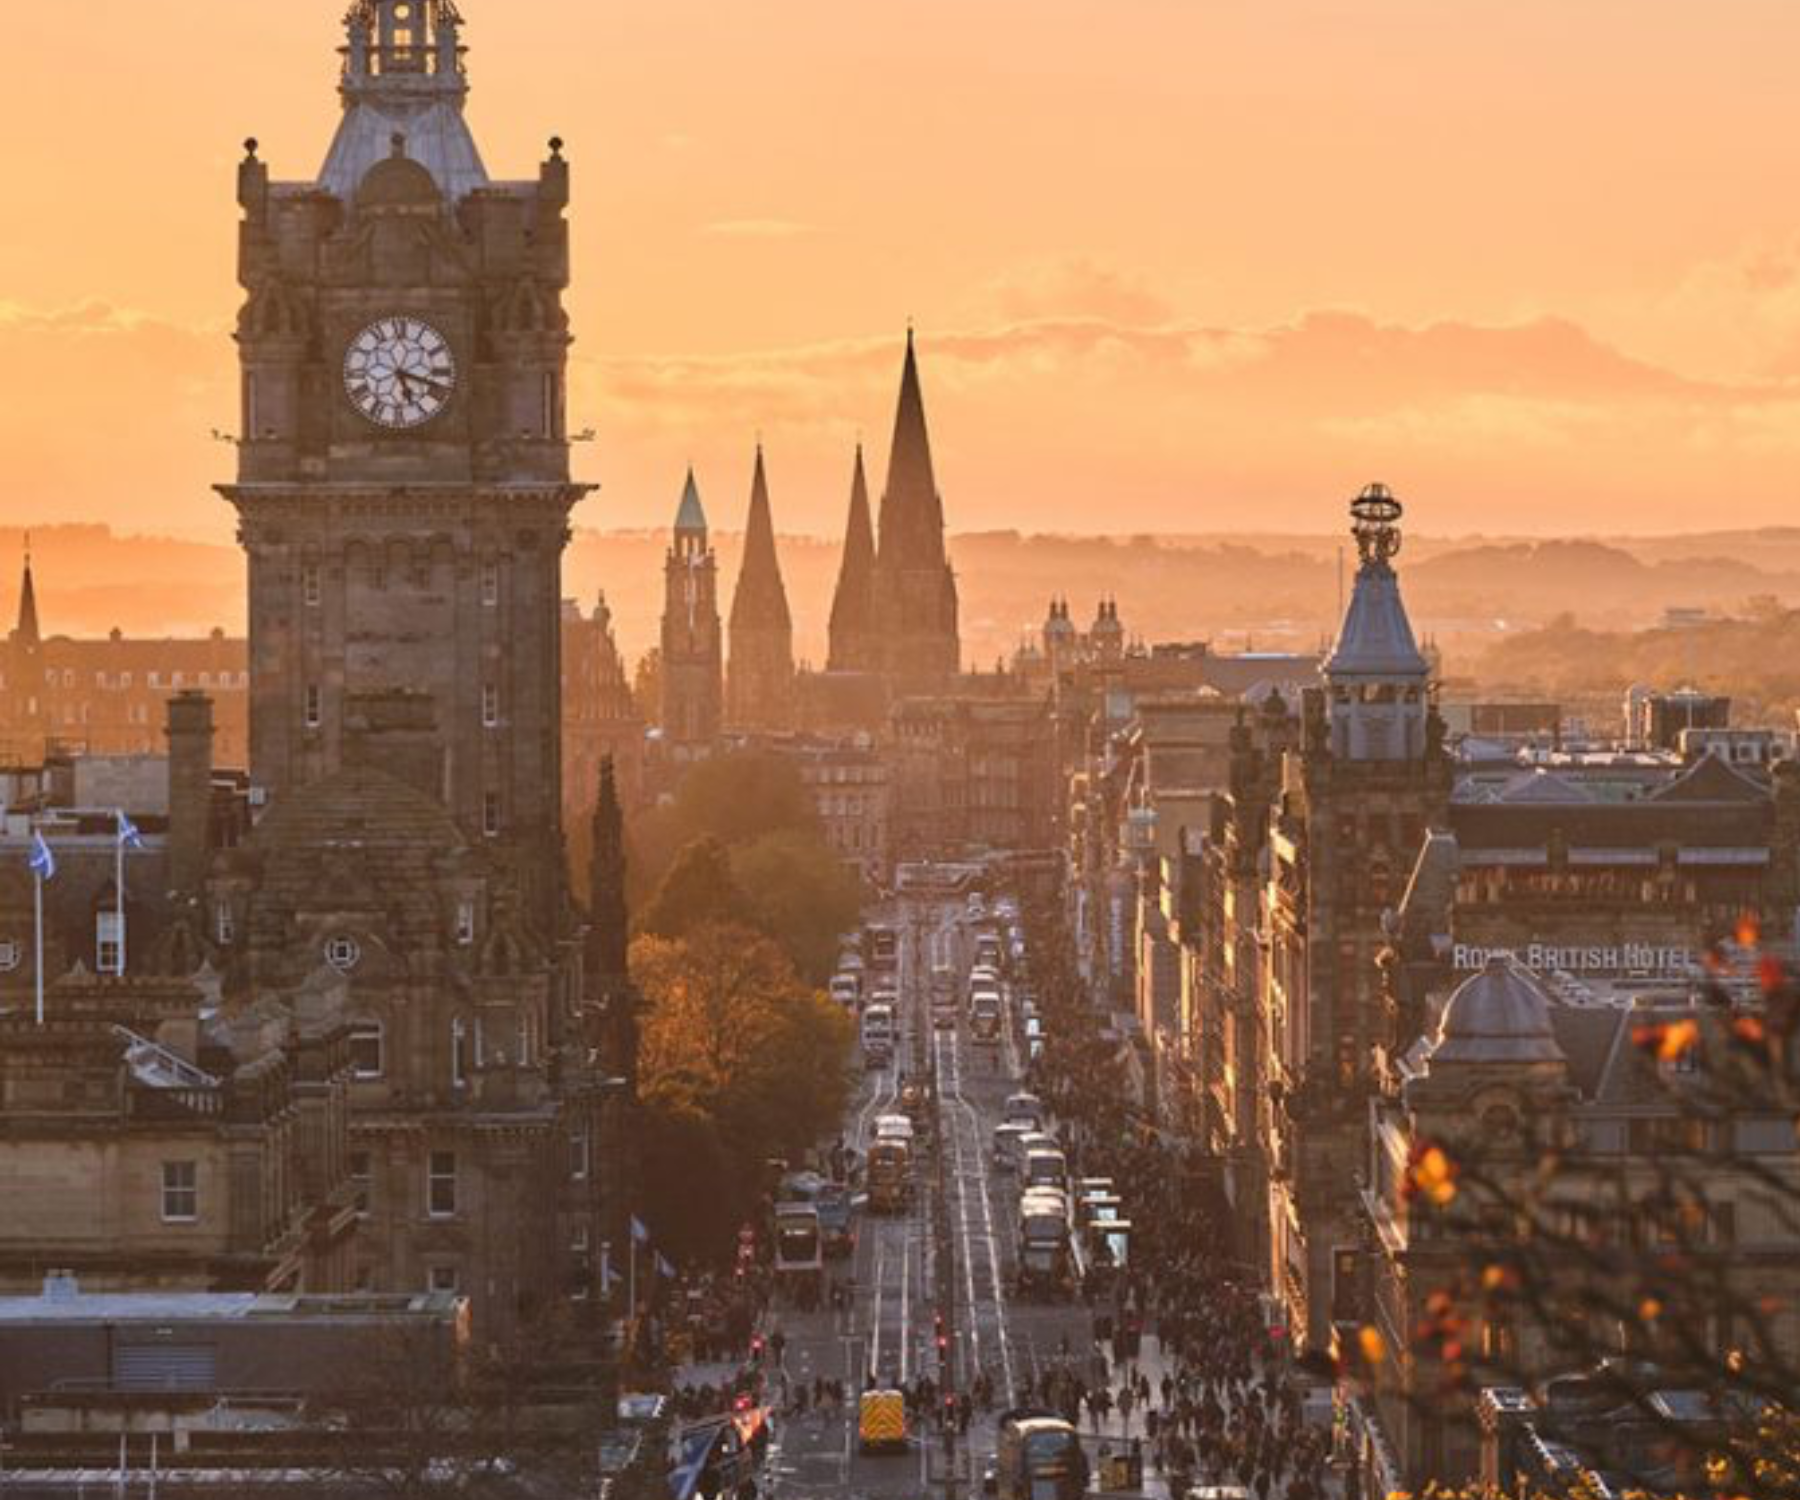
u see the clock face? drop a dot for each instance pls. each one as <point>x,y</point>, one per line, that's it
<point>399,372</point>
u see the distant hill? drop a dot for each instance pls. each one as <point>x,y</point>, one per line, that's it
<point>1264,590</point>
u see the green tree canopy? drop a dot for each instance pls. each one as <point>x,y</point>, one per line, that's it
<point>698,889</point>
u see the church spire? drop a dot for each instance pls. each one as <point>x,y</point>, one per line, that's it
<point>856,578</point>
<point>761,598</point>
<point>915,627</point>
<point>26,633</point>
<point>760,683</point>
<point>912,515</point>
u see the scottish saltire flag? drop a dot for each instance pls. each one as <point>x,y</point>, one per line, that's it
<point>639,1232</point>
<point>128,833</point>
<point>43,862</point>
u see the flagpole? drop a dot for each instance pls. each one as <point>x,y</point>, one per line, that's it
<point>631,1286</point>
<point>37,887</point>
<point>119,882</point>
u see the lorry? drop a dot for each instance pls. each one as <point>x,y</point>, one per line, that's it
<point>889,1176</point>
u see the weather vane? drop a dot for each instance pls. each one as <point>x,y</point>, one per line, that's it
<point>1376,523</point>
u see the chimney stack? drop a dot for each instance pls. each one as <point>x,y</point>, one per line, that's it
<point>190,730</point>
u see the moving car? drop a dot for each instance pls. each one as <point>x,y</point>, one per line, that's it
<point>1006,1139</point>
<point>984,1017</point>
<point>846,989</point>
<point>878,1034</point>
<point>837,1219</point>
<point>1026,1109</point>
<point>1046,1168</point>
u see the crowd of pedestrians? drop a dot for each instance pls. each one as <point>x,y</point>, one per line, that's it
<point>1183,1360</point>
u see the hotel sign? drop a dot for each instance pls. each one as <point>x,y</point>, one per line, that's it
<point>1584,958</point>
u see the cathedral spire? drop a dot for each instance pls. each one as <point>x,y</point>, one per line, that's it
<point>912,515</point>
<point>26,632</point>
<point>1377,677</point>
<point>915,634</point>
<point>761,598</point>
<point>760,682</point>
<point>856,578</point>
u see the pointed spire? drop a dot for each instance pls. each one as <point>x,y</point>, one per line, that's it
<point>691,517</point>
<point>26,633</point>
<point>760,602</point>
<point>912,516</point>
<point>850,607</point>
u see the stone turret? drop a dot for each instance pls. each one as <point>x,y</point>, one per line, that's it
<point>692,640</point>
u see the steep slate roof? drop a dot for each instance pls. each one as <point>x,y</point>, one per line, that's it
<point>1711,780</point>
<point>692,515</point>
<point>1377,637</point>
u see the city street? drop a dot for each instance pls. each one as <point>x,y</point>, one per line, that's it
<point>888,1331</point>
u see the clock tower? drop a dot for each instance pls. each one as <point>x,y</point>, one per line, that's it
<point>403,488</point>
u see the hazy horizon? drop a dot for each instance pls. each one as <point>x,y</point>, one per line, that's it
<point>1422,248</point>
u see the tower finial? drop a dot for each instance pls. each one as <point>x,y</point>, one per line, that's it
<point>1375,524</point>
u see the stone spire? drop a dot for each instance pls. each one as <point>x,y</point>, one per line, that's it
<point>912,514</point>
<point>850,608</point>
<point>761,598</point>
<point>26,632</point>
<point>404,86</point>
<point>915,601</point>
<point>760,684</point>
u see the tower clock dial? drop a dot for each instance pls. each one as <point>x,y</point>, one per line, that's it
<point>399,372</point>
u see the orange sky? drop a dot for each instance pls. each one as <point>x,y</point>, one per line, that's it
<point>1176,264</point>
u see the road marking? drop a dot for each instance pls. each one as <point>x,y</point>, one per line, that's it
<point>990,1240</point>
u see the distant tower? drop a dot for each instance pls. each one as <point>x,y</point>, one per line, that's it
<point>1377,678</point>
<point>692,643</point>
<point>1060,643</point>
<point>852,639</point>
<point>760,684</point>
<point>23,692</point>
<point>1107,639</point>
<point>915,603</point>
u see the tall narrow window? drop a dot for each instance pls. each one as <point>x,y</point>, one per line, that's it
<point>315,706</point>
<point>224,925</point>
<point>440,1185</point>
<point>490,814</point>
<point>109,942</point>
<point>490,584</point>
<point>549,402</point>
<point>490,705</point>
<point>309,585</point>
<point>180,1192</point>
<point>465,922</point>
<point>459,1053</point>
<point>578,1155</point>
<point>365,1050</point>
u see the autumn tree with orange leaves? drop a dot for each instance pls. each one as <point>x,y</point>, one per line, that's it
<point>740,1062</point>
